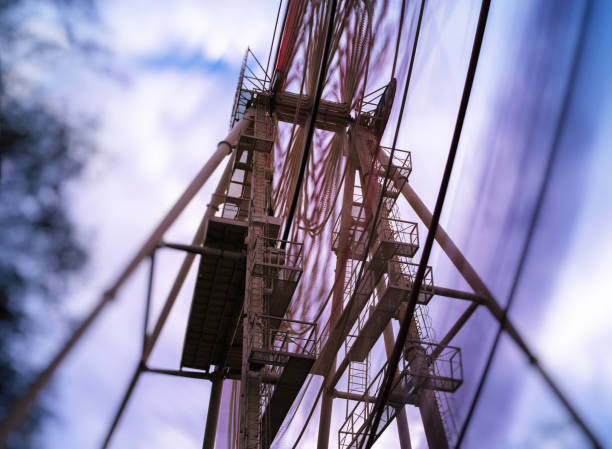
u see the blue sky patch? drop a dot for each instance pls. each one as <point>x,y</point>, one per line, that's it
<point>184,59</point>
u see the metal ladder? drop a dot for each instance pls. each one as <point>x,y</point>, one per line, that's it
<point>358,373</point>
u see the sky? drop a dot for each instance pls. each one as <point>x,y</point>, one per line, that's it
<point>561,303</point>
<point>159,91</point>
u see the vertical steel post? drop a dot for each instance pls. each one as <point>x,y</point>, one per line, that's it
<point>255,328</point>
<point>401,418</point>
<point>430,412</point>
<point>212,417</point>
<point>336,310</point>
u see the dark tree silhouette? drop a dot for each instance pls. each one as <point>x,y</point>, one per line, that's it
<point>38,247</point>
<point>40,153</point>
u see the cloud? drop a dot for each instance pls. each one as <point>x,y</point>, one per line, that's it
<point>220,30</point>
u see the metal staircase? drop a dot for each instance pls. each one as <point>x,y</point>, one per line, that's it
<point>358,372</point>
<point>427,371</point>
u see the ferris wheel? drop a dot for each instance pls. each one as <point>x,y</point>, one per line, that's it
<point>305,259</point>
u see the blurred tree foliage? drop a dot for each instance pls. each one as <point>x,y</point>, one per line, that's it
<point>40,154</point>
<point>38,248</point>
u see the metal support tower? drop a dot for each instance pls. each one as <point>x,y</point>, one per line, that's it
<point>254,328</point>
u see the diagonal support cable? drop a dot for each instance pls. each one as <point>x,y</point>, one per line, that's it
<point>374,419</point>
<point>570,88</point>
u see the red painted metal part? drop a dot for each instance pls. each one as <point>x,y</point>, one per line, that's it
<point>294,16</point>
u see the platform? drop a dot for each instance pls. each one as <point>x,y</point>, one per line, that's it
<point>285,391</point>
<point>258,136</point>
<point>288,349</point>
<point>396,237</point>
<point>393,237</point>
<point>443,366</point>
<point>214,318</point>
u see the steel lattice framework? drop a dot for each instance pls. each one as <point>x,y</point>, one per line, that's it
<point>308,185</point>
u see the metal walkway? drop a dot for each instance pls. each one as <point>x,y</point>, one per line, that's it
<point>218,297</point>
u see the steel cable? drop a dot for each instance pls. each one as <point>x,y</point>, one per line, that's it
<point>533,222</point>
<point>403,332</point>
<point>280,4</point>
<point>399,37</point>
